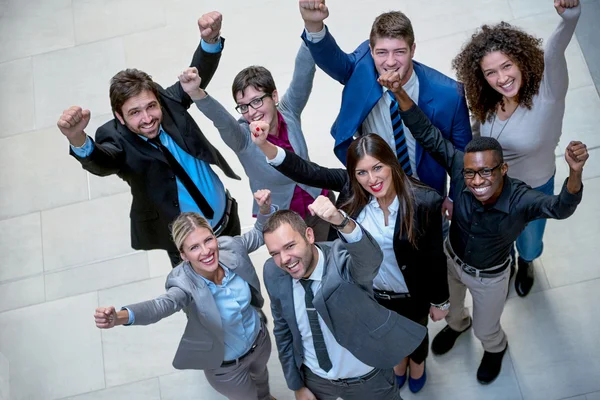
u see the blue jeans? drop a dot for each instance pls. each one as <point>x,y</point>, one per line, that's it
<point>529,242</point>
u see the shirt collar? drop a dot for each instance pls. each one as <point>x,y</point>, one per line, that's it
<point>392,207</point>
<point>317,274</point>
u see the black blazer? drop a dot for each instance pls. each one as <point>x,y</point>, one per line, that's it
<point>424,267</point>
<point>119,151</point>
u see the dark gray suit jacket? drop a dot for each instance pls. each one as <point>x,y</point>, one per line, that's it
<point>375,335</point>
<point>202,344</point>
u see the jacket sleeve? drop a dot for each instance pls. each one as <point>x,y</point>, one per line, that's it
<point>461,127</point>
<point>107,156</point>
<point>284,339</point>
<point>364,261</point>
<point>234,134</point>
<point>331,58</point>
<point>207,64</point>
<point>431,249</point>
<point>432,140</point>
<point>538,205</point>
<point>253,239</point>
<point>297,94</point>
<point>309,173</point>
<point>151,311</point>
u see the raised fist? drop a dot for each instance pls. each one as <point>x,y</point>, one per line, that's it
<point>190,82</point>
<point>576,155</point>
<point>210,25</point>
<point>313,13</point>
<point>323,208</point>
<point>562,5</point>
<point>72,123</point>
<point>263,199</point>
<point>391,80</point>
<point>105,317</point>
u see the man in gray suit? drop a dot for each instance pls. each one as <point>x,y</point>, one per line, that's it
<point>334,339</point>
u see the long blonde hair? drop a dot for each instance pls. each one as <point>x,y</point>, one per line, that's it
<point>185,224</point>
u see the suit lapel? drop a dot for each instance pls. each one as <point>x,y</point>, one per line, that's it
<point>425,103</point>
<point>173,131</point>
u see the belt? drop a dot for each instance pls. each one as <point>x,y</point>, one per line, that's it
<point>220,226</point>
<point>355,381</point>
<point>491,272</point>
<point>385,295</point>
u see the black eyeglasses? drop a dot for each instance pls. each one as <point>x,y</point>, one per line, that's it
<point>484,172</point>
<point>256,103</point>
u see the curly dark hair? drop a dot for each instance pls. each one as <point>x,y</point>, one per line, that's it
<point>522,48</point>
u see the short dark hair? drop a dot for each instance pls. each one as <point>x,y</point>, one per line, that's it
<point>394,25</point>
<point>281,217</point>
<point>129,83</point>
<point>485,143</point>
<point>256,76</point>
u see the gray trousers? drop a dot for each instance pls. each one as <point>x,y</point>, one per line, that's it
<point>489,296</point>
<point>382,386</point>
<point>249,378</point>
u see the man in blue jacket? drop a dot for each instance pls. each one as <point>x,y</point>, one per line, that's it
<point>367,107</point>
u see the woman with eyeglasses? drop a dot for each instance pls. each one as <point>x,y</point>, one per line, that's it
<point>257,99</point>
<point>403,215</point>
<point>516,92</point>
<point>217,286</point>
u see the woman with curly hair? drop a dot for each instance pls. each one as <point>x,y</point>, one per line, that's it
<point>516,92</point>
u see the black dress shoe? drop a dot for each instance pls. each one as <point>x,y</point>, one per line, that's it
<point>524,278</point>
<point>444,340</point>
<point>490,366</point>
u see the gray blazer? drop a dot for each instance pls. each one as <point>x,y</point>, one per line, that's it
<point>375,335</point>
<point>202,346</point>
<point>236,134</point>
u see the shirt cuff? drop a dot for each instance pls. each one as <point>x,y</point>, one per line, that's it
<point>279,158</point>
<point>316,37</point>
<point>212,47</point>
<point>84,150</point>
<point>131,316</point>
<point>353,236</point>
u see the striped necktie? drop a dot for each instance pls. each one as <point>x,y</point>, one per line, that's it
<point>399,138</point>
<point>315,327</point>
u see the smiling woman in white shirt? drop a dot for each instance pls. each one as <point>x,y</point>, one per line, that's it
<point>405,218</point>
<point>217,286</point>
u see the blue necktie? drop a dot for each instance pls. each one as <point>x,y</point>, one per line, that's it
<point>399,138</point>
<point>315,328</point>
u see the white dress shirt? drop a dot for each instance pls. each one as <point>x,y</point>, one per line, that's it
<point>344,364</point>
<point>371,217</point>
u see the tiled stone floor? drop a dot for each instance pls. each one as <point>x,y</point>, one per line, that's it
<point>64,234</point>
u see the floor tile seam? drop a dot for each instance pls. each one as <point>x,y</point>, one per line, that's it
<point>124,35</point>
<point>569,284</point>
<point>512,365</point>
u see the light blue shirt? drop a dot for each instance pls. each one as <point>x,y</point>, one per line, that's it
<point>205,179</point>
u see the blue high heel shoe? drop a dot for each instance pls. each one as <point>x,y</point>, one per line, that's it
<point>400,380</point>
<point>415,385</point>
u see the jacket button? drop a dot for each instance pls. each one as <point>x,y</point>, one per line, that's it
<point>176,204</point>
<point>172,177</point>
<point>403,267</point>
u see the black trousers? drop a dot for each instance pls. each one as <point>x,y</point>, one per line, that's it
<point>233,228</point>
<point>408,308</point>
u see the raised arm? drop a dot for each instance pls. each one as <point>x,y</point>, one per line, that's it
<point>295,167</point>
<point>297,94</point>
<point>253,239</point>
<point>365,254</point>
<point>102,158</point>
<point>424,132</point>
<point>556,76</point>
<point>323,47</point>
<point>144,313</point>
<point>539,205</point>
<point>205,61</point>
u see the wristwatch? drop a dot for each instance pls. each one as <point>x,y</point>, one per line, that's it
<point>344,222</point>
<point>442,307</point>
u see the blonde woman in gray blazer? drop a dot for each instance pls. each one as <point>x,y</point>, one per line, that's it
<point>217,286</point>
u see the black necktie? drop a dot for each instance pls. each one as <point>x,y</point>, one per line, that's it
<point>315,328</point>
<point>178,170</point>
